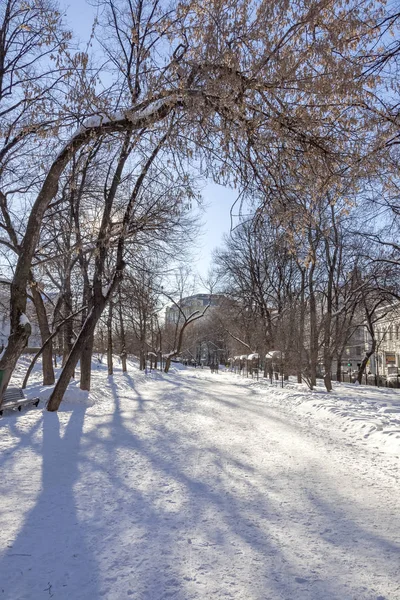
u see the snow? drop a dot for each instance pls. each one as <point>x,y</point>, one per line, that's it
<point>253,357</point>
<point>196,486</point>
<point>274,354</point>
<point>122,115</point>
<point>23,320</point>
<point>170,354</point>
<point>134,115</point>
<point>106,289</point>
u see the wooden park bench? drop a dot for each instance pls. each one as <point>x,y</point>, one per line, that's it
<point>15,398</point>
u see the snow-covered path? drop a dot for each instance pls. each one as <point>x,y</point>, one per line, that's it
<point>192,487</point>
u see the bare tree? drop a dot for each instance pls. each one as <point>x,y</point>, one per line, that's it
<point>235,84</point>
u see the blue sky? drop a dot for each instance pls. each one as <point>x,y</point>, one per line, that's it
<point>217,221</point>
<point>218,199</point>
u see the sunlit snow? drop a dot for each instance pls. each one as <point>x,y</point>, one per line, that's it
<point>195,485</point>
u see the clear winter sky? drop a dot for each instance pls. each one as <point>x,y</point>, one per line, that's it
<point>218,200</point>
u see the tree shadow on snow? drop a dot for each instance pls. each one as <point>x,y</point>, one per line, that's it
<point>171,510</point>
<point>50,556</point>
<point>213,516</point>
<point>183,532</point>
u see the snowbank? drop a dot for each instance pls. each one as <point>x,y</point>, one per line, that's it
<point>363,413</point>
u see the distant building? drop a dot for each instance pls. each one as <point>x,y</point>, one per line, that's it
<point>354,351</point>
<point>386,360</point>
<point>190,304</point>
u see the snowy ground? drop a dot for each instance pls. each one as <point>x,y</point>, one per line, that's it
<point>200,486</point>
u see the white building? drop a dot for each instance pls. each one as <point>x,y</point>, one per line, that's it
<point>386,360</point>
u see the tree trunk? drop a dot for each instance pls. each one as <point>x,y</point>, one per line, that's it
<point>331,261</point>
<point>17,341</point>
<point>179,345</point>
<point>365,361</point>
<point>339,369</point>
<point>327,346</point>
<point>86,363</point>
<point>313,339</point>
<point>327,378</point>
<point>142,360</point>
<point>122,333</point>
<point>19,334</point>
<point>87,353</point>
<point>167,364</point>
<point>110,340</point>
<point>45,333</point>
<point>327,359</point>
<point>69,325</point>
<point>300,341</point>
<point>86,332</point>
<point>99,304</point>
<point>48,341</point>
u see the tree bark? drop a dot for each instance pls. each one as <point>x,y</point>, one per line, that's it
<point>301,329</point>
<point>122,350</point>
<point>19,335</point>
<point>17,341</point>
<point>86,332</point>
<point>365,360</point>
<point>48,341</point>
<point>86,363</point>
<point>99,301</point>
<point>110,340</point>
<point>327,375</point>
<point>47,354</point>
<point>142,359</point>
<point>68,330</point>
<point>180,339</point>
<point>87,352</point>
<point>339,369</point>
<point>313,336</point>
<point>99,304</point>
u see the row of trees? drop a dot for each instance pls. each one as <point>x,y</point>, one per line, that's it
<point>305,284</point>
<point>101,149</point>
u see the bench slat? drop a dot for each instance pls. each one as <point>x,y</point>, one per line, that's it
<point>11,402</point>
<point>15,398</point>
<point>14,393</point>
